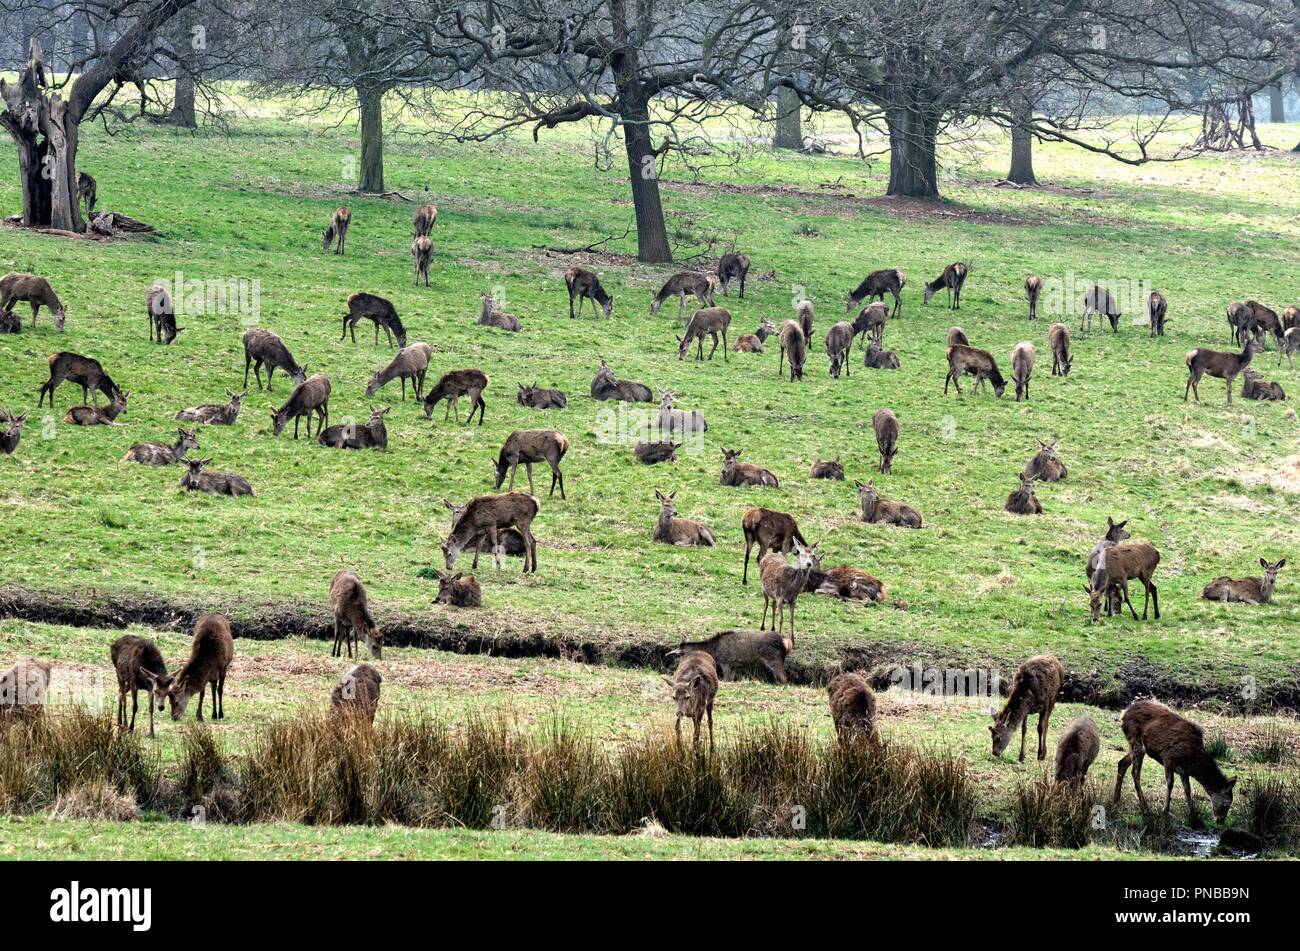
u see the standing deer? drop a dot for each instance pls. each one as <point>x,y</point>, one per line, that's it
<point>451,386</point>
<point>529,446</point>
<point>357,693</point>
<point>378,311</point>
<point>11,431</point>
<point>157,454</point>
<point>876,285</point>
<point>353,621</point>
<point>1099,300</point>
<point>702,286</point>
<point>87,191</point>
<point>695,687</point>
<point>263,347</point>
<point>140,666</point>
<point>853,706</point>
<point>426,216</point>
<point>161,314</point>
<point>1034,689</point>
<point>771,531</point>
<point>682,532</point>
<point>782,583</point>
<point>957,336</point>
<point>94,416</point>
<point>210,654</point>
<point>753,343</point>
<point>1245,590</point>
<point>311,397</point>
<point>1045,466</point>
<point>744,473</point>
<point>84,371</point>
<point>1058,338</point>
<point>1023,501</point>
<point>372,435</point>
<point>794,348</point>
<point>491,515</point>
<point>839,344</point>
<point>1116,566</point>
<point>1156,308</point>
<point>803,315</point>
<point>411,363</point>
<point>978,363</point>
<point>952,279</point>
<point>1216,363</point>
<point>36,291</point>
<point>876,509</point>
<point>706,320</point>
<point>213,483</point>
<point>885,423</point>
<point>1076,751</point>
<point>733,266</point>
<point>1033,290</point>
<point>870,323</point>
<point>421,257</point>
<point>585,285</point>
<point>1290,343</point>
<point>1022,367</point>
<point>338,228</point>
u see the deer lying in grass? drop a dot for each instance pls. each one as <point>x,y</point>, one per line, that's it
<point>451,386</point>
<point>353,621</point>
<point>1098,300</point>
<point>1255,387</point>
<point>1033,690</point>
<point>739,650</point>
<point>702,286</point>
<point>263,347</point>
<point>1216,363</point>
<point>870,323</point>
<point>421,258</point>
<point>803,316</point>
<point>1076,751</point>
<point>738,473</point>
<point>782,583</point>
<point>80,370</point>
<point>650,453</point>
<point>878,359</point>
<point>707,320</point>
<point>311,398</point>
<point>876,285</point>
<point>373,434</point>
<point>885,423</point>
<point>845,583</point>
<point>24,688</point>
<point>10,324</point>
<point>357,693</point>
<point>682,532</point>
<point>1022,367</point>
<point>94,416</point>
<point>952,279</point>
<point>1116,566</point>
<point>794,348</point>
<point>585,285</point>
<point>605,387</point>
<point>87,191</point>
<point>425,217</point>
<point>411,363</point>
<point>210,654</point>
<point>771,531</point>
<point>753,343</point>
<point>377,310</point>
<point>161,314</point>
<point>529,446</point>
<point>978,363</point>
<point>878,510</point>
<point>213,483</point>
<point>491,515</point>
<point>140,666</point>
<point>1157,306</point>
<point>1177,744</point>
<point>695,687</point>
<point>957,336</point>
<point>1245,590</point>
<point>1033,290</point>
<point>11,431</point>
<point>733,266</point>
<point>853,706</point>
<point>215,414</point>
<point>1045,466</point>
<point>828,469</point>
<point>1023,501</point>
<point>459,591</point>
<point>489,316</point>
<point>36,291</point>
<point>1058,339</point>
<point>338,229</point>
<point>839,344</point>
<point>158,454</point>
<point>678,421</point>
<point>539,397</point>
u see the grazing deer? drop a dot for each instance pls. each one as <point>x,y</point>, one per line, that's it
<point>1156,308</point>
<point>771,531</point>
<point>87,191</point>
<point>378,311</point>
<point>357,693</point>
<point>706,320</point>
<point>1178,745</point>
<point>214,414</point>
<point>529,446</point>
<point>1254,387</point>
<point>1058,338</point>
<point>1022,367</point>
<point>853,706</point>
<point>952,279</point>
<point>140,666</point>
<point>1117,565</point>
<point>451,386</point>
<point>878,359</point>
<point>11,431</point>
<point>157,454</point>
<point>489,316</point>
<point>1076,751</point>
<point>24,688</point>
<point>1115,533</point>
<point>782,583</point>
<point>491,515</point>
<point>459,591</point>
<point>695,687</point>
<point>84,371</point>
<point>421,257</point>
<point>978,363</point>
<point>585,285</point>
<point>1245,590</point>
<point>744,473</point>
<point>511,540</point>
<point>213,483</point>
<point>352,618</point>
<point>539,397</point>
<point>1254,318</point>
<point>957,336</point>
<point>338,229</point>
<point>209,661</point>
<point>411,363</point>
<point>679,421</point>
<point>1045,466</point>
<point>372,435</point>
<point>1023,501</point>
<point>311,397</point>
<point>1216,363</point>
<point>870,323</point>
<point>682,532</point>
<point>161,314</point>
<point>876,285</point>
<point>828,469</point>
<point>36,291</point>
<point>1033,690</point>
<point>885,423</point>
<point>739,650</point>
<point>753,343</point>
<point>732,266</point>
<point>1287,348</point>
<point>426,216</point>
<point>839,344</point>
<point>803,315</point>
<point>702,286</point>
<point>883,511</point>
<point>650,453</point>
<point>794,347</point>
<point>1033,290</point>
<point>1099,300</point>
<point>261,347</point>
<point>605,387</point>
<point>94,416</point>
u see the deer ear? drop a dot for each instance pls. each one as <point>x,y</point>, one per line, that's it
<point>672,495</point>
<point>659,495</point>
<point>1263,563</point>
<point>1232,782</point>
<point>1281,563</point>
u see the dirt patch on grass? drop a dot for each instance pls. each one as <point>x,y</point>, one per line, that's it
<point>1283,475</point>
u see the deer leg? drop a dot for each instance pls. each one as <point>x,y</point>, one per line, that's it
<point>1043,719</point>
<point>762,625</point>
<point>1169,787</point>
<point>709,710</point>
<point>792,604</point>
<point>1137,780</point>
<point>221,693</point>
<point>1024,729</point>
<point>496,549</point>
<point>121,705</point>
<point>695,733</point>
<point>1124,590</point>
<point>150,698</point>
<point>1124,762</point>
<point>1193,817</point>
<point>514,466</point>
<point>1229,381</point>
<point>678,728</point>
<point>530,546</point>
<point>557,474</point>
<point>749,544</point>
<point>337,650</point>
<point>528,467</point>
<point>714,335</point>
<point>1155,598</point>
<point>135,703</point>
<point>199,714</point>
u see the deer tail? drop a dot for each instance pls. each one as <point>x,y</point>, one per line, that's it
<point>788,645</point>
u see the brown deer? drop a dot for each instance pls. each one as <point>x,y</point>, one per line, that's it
<point>84,371</point>
<point>839,344</point>
<point>952,279</point>
<point>426,216</point>
<point>357,693</point>
<point>803,315</point>
<point>876,509</point>
<point>161,314</point>
<point>1098,300</point>
<point>771,531</point>
<point>682,532</point>
<point>1033,690</point>
<point>421,257</point>
<point>604,386</point>
<point>261,347</point>
<point>1115,533</point>
<point>885,423</point>
<point>1287,348</point>
<point>733,266</point>
<point>695,687</point>
<point>1156,308</point>
<point>702,286</point>
<point>1177,744</point>
<point>957,336</point>
<point>1117,565</point>
<point>1255,387</point>
<point>876,285</point>
<point>1023,501</point>
<point>1290,317</point>
<point>845,583</point>
<point>738,473</point>
<point>158,454</point>
<point>878,359</point>
<point>706,320</point>
<point>338,228</point>
<point>94,416</point>
<point>1033,290</point>
<point>539,397</point>
<point>353,621</point>
<point>529,446</point>
<point>378,311</point>
<point>11,431</point>
<point>978,363</point>
<point>1216,363</point>
<point>489,316</point>
<point>651,453</point>
<point>491,515</point>
<point>140,666</point>
<point>10,324</point>
<point>1022,367</point>
<point>1045,466</point>
<point>853,706</point>
<point>828,469</point>
<point>1076,751</point>
<point>585,285</point>
<point>210,654</point>
<point>309,398</point>
<point>213,483</point>
<point>753,343</point>
<point>87,191</point>
<point>1058,339</point>
<point>737,650</point>
<point>451,386</point>
<point>459,591</point>
<point>782,583</point>
<point>24,688</point>
<point>1245,590</point>
<point>36,291</point>
<point>794,348</point>
<point>373,434</point>
<point>511,540</point>
<point>214,414</point>
<point>1259,320</point>
<point>411,363</point>
<point>870,323</point>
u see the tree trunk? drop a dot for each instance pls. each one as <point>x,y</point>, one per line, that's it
<point>45,133</point>
<point>1022,156</point>
<point>1276,107</point>
<point>651,233</point>
<point>372,140</point>
<point>183,113</point>
<point>912,167</point>
<point>789,128</point>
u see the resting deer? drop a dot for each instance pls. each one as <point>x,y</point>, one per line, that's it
<point>213,483</point>
<point>753,343</point>
<point>1023,501</point>
<point>782,583</point>
<point>529,446</point>
<point>1245,590</point>
<point>707,320</point>
<point>682,532</point>
<point>702,286</point>
<point>738,473</point>
<point>876,509</point>
<point>952,279</point>
<point>11,431</point>
<point>539,397</point>
<point>94,416</point>
<point>214,414</point>
<point>1034,689</point>
<point>1046,466</point>
<point>878,359</point>
<point>338,229</point>
<point>157,454</point>
<point>1255,387</point>
<point>828,469</point>
<point>770,531</point>
<point>373,434</point>
<point>489,316</point>
<point>876,285</point>
<point>459,591</point>
<point>585,285</point>
<point>1033,289</point>
<point>1216,363</point>
<point>651,453</point>
<point>604,386</point>
<point>678,421</point>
